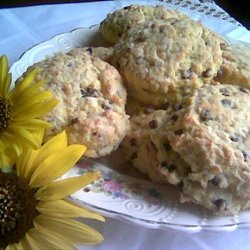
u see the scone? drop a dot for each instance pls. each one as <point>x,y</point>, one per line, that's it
<point>118,22</point>
<point>146,146</point>
<point>104,53</point>
<point>162,60</point>
<point>211,132</point>
<point>91,98</point>
<point>236,65</point>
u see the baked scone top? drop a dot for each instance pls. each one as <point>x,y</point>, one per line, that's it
<point>91,98</point>
<point>120,21</point>
<point>161,57</point>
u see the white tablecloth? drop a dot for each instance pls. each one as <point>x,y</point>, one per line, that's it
<point>22,28</point>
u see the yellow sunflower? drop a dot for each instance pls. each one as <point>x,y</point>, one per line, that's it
<point>20,110</point>
<point>34,212</point>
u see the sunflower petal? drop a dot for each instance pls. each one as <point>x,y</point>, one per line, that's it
<point>19,246</point>
<point>23,84</point>
<point>39,134</point>
<point>11,145</point>
<point>29,92</point>
<point>11,247</point>
<point>28,98</point>
<point>5,161</point>
<point>64,209</point>
<point>6,87</point>
<point>5,77</point>
<point>62,188</point>
<point>37,110</point>
<point>32,124</point>
<point>27,139</point>
<point>56,143</point>
<point>56,165</point>
<point>40,238</point>
<point>24,165</point>
<point>23,244</point>
<point>27,101</point>
<point>73,230</point>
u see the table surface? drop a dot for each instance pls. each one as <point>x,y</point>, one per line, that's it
<point>23,27</point>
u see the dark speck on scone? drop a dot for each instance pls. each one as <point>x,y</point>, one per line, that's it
<point>153,124</point>
<point>226,102</point>
<point>205,115</point>
<point>224,91</point>
<point>89,92</point>
<point>220,204</point>
<point>216,180</point>
<point>178,132</point>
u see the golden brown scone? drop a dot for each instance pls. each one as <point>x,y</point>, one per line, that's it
<point>164,59</point>
<point>120,21</point>
<point>211,132</point>
<point>91,98</point>
<point>236,65</point>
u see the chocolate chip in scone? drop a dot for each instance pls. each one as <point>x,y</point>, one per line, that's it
<point>153,124</point>
<point>169,166</point>
<point>226,102</point>
<point>245,155</point>
<point>205,115</point>
<point>219,72</point>
<point>106,106</point>
<point>220,204</point>
<point>90,50</point>
<point>234,138</point>
<point>207,73</point>
<point>153,25</point>
<point>225,92</point>
<point>132,142</point>
<point>244,90</point>
<point>89,92</point>
<point>74,120</point>
<point>178,132</point>
<point>216,180</point>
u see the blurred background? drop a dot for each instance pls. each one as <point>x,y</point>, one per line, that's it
<point>239,9</point>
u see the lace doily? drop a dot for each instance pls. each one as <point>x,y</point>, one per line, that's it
<point>205,7</point>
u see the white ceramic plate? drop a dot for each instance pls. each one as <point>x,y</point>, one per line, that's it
<point>122,196</point>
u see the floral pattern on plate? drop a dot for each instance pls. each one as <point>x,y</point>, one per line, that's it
<point>114,185</point>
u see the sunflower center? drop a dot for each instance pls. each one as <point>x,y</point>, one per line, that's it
<point>17,208</point>
<point>5,111</point>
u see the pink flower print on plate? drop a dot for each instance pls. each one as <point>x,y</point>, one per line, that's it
<point>111,186</point>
